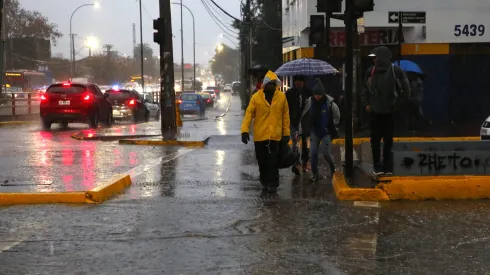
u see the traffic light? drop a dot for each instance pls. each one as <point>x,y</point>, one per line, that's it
<point>317,29</point>
<point>363,5</point>
<point>159,34</point>
<point>329,6</point>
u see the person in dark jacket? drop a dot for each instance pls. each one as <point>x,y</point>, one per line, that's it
<point>386,84</point>
<point>297,97</point>
<point>320,118</point>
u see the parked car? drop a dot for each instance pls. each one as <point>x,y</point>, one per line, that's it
<point>73,102</point>
<point>485,130</point>
<point>208,100</point>
<point>215,89</point>
<point>235,87</point>
<point>128,105</point>
<point>227,88</point>
<point>191,104</point>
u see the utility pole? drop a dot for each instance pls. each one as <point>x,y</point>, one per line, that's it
<point>73,55</point>
<point>182,41</point>
<point>248,53</point>
<point>163,36</point>
<point>2,44</point>
<point>141,50</point>
<point>349,85</point>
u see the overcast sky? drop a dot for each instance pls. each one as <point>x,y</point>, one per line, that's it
<point>112,23</point>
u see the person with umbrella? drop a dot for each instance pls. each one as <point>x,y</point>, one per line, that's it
<point>320,118</point>
<point>269,111</point>
<point>296,98</point>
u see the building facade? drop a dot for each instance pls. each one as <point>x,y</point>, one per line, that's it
<point>452,47</point>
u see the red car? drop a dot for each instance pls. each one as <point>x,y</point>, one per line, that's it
<point>72,102</point>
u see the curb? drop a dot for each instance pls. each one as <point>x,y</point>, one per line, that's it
<point>358,141</point>
<point>77,136</point>
<point>94,196</point>
<point>346,193</point>
<point>16,123</point>
<point>226,111</point>
<point>183,143</point>
<point>415,188</point>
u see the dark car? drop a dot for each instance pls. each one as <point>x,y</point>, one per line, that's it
<point>215,89</point>
<point>128,105</point>
<point>191,104</point>
<point>208,99</point>
<point>73,102</point>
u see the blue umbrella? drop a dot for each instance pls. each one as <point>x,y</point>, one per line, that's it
<point>409,66</point>
<point>306,67</point>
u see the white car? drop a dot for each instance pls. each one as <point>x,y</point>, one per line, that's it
<point>153,107</point>
<point>227,88</point>
<point>211,93</point>
<point>485,130</point>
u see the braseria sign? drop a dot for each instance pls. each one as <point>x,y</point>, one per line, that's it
<point>368,38</point>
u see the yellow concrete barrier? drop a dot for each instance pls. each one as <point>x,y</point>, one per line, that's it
<point>344,192</point>
<point>183,143</point>
<point>106,191</point>
<point>358,141</point>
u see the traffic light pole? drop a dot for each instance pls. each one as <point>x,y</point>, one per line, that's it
<point>167,79</point>
<point>349,85</point>
<point>2,45</point>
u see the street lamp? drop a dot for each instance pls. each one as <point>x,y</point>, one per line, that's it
<point>72,40</point>
<point>91,43</point>
<point>220,47</point>
<point>193,41</point>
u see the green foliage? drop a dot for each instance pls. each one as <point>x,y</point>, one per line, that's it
<point>22,23</point>
<point>226,63</point>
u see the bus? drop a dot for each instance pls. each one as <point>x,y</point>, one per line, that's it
<point>25,81</point>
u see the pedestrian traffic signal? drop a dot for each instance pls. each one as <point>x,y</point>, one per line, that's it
<point>363,5</point>
<point>329,6</point>
<point>158,35</point>
<point>317,29</point>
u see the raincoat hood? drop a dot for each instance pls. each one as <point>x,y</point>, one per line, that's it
<point>271,77</point>
<point>383,58</point>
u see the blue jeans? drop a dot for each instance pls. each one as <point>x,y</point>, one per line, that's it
<point>320,145</point>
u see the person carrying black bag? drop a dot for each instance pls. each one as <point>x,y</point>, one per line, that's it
<point>269,111</point>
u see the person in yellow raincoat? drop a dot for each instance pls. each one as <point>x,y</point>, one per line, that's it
<point>269,111</point>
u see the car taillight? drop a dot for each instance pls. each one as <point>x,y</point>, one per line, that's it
<point>209,100</point>
<point>216,91</point>
<point>86,97</point>
<point>131,102</point>
<point>43,98</point>
<point>179,101</point>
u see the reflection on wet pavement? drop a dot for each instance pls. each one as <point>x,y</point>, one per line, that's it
<point>203,213</point>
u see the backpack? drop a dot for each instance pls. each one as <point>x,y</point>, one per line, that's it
<point>398,86</point>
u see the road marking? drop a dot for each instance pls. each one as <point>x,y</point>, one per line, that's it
<point>5,246</point>
<point>367,204</point>
<point>342,154</point>
<point>138,170</point>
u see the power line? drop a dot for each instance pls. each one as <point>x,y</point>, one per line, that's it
<point>212,17</point>
<point>217,12</point>
<point>268,26</point>
<point>212,1</point>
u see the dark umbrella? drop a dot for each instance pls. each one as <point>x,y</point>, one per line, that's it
<point>258,70</point>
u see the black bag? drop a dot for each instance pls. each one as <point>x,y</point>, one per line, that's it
<point>287,156</point>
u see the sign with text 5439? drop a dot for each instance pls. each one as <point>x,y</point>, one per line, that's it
<point>461,27</point>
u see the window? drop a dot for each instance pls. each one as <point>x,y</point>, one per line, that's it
<point>189,97</point>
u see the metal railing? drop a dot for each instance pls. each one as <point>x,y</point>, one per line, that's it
<point>19,105</point>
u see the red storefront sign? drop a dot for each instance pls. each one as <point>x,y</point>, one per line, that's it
<point>369,38</point>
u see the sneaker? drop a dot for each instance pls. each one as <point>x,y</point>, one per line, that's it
<point>377,170</point>
<point>295,170</point>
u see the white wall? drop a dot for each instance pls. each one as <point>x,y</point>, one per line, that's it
<point>442,17</point>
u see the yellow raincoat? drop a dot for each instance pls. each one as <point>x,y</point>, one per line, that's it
<point>271,122</point>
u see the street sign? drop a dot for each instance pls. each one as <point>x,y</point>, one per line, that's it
<point>408,17</point>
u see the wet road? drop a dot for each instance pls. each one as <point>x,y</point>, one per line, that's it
<point>33,160</point>
<point>203,213</point>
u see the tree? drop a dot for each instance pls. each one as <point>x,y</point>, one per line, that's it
<point>21,23</point>
<point>149,63</point>
<point>225,62</point>
<point>60,68</point>
<point>266,32</point>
